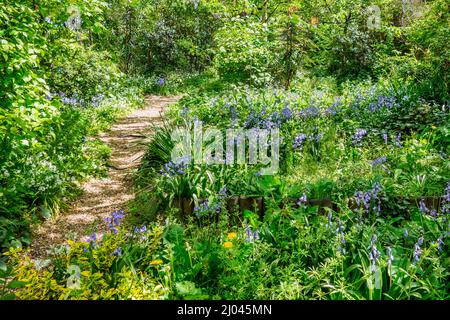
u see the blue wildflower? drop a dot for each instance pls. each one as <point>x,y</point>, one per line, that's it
<point>92,239</point>
<point>161,81</point>
<point>357,137</point>
<point>374,254</point>
<point>440,243</point>
<point>398,140</point>
<point>172,169</point>
<point>302,201</point>
<point>378,161</point>
<point>251,236</point>
<point>117,252</point>
<point>390,256</point>
<point>299,140</point>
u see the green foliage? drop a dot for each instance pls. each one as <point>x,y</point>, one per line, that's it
<point>244,51</point>
<point>55,92</point>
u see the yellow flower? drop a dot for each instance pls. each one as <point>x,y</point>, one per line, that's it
<point>156,262</point>
<point>228,244</point>
<point>232,235</point>
<point>433,127</point>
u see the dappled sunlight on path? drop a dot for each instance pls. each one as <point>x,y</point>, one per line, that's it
<point>101,196</point>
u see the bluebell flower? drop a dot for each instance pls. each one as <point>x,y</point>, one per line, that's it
<point>329,220</point>
<point>310,112</point>
<point>420,240</point>
<point>203,210</point>
<point>223,192</point>
<point>440,243</point>
<point>357,137</point>
<point>286,113</point>
<point>299,140</point>
<point>251,236</point>
<point>172,169</point>
<point>446,201</point>
<point>390,256</point>
<point>341,236</point>
<point>185,112</point>
<point>92,239</point>
<point>422,207</point>
<point>114,220</point>
<point>417,252</point>
<point>117,252</point>
<point>302,201</point>
<point>161,81</point>
<point>374,254</point>
<point>333,109</point>
<point>398,140</point>
<point>378,161</point>
<point>366,198</point>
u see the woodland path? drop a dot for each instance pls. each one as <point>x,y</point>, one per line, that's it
<point>102,196</point>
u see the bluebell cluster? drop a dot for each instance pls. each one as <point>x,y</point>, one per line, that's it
<point>250,235</point>
<point>161,81</point>
<point>378,161</point>
<point>301,138</point>
<point>117,252</point>
<point>385,138</point>
<point>140,232</point>
<point>204,210</point>
<point>377,102</point>
<point>298,141</point>
<point>440,243</point>
<point>446,200</point>
<point>333,109</point>
<point>329,221</point>
<point>185,112</point>
<point>365,199</point>
<point>75,100</point>
<point>97,99</point>
<point>398,140</point>
<point>114,220</point>
<point>417,249</point>
<point>382,102</point>
<point>390,256</point>
<point>93,239</point>
<point>70,100</point>
<point>340,234</point>
<point>424,210</point>
<point>357,137</point>
<point>303,201</point>
<point>265,120</point>
<point>374,254</point>
<point>176,168</point>
<point>223,192</point>
<point>309,112</point>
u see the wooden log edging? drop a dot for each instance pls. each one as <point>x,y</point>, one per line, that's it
<point>258,205</point>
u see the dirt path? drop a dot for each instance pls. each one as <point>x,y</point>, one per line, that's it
<point>102,196</point>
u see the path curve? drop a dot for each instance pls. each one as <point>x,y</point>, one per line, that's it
<point>101,196</point>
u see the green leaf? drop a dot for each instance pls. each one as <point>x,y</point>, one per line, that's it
<point>3,266</point>
<point>15,284</point>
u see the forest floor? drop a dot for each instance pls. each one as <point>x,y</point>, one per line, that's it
<point>102,196</point>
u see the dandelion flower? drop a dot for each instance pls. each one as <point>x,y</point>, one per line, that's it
<point>156,262</point>
<point>228,244</point>
<point>232,235</point>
